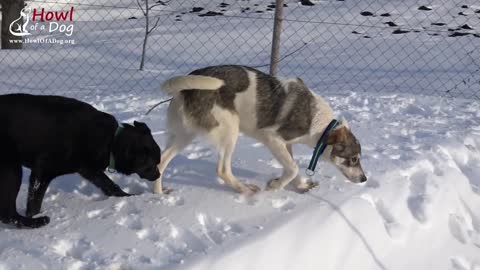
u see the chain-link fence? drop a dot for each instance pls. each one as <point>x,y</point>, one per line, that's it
<point>337,45</point>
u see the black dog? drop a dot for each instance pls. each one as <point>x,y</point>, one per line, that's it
<point>54,136</point>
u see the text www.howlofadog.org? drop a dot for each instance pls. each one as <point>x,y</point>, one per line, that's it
<point>43,21</point>
<point>43,41</point>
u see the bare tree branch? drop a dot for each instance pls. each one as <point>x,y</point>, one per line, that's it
<point>148,29</point>
<point>155,5</point>
<point>154,26</point>
<point>141,8</point>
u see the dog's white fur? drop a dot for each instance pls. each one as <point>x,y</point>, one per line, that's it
<point>182,131</point>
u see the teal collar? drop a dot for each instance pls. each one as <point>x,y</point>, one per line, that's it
<point>111,165</point>
<point>320,148</point>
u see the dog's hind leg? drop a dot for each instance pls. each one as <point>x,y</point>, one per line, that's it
<point>36,191</point>
<point>179,136</point>
<point>177,141</point>
<point>224,169</point>
<point>10,181</point>
<point>43,172</point>
<point>281,152</point>
<point>224,137</point>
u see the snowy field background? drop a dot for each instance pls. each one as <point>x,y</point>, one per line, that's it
<point>331,44</point>
<point>418,210</point>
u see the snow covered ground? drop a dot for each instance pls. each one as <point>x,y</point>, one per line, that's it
<point>419,209</point>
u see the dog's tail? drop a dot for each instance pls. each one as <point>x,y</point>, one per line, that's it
<point>177,84</point>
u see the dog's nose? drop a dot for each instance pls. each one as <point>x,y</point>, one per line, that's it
<point>363,179</point>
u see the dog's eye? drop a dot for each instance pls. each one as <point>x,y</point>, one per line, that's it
<point>354,160</point>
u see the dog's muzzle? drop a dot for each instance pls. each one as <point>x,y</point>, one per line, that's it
<point>151,175</point>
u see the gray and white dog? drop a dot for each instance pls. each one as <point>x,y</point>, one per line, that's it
<point>221,101</point>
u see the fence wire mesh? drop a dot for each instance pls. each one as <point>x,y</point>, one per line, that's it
<point>377,46</point>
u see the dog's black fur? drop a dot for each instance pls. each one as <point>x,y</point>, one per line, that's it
<point>54,136</point>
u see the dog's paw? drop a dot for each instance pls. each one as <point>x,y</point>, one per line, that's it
<point>273,184</point>
<point>41,221</point>
<point>306,186</point>
<point>163,191</point>
<point>33,223</point>
<point>120,194</point>
<point>167,191</point>
<point>250,189</point>
<point>30,212</point>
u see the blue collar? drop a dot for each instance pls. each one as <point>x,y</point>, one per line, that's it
<point>111,165</point>
<point>320,148</point>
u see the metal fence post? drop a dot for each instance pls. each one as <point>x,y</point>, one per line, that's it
<point>277,30</point>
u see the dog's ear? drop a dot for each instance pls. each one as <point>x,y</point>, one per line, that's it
<point>141,126</point>
<point>337,136</point>
<point>300,81</point>
<point>343,122</point>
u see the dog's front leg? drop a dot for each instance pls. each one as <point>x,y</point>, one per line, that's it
<point>302,184</point>
<point>101,180</point>
<point>280,152</point>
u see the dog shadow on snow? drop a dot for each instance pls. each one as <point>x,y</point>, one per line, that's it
<point>350,224</point>
<point>180,172</point>
<point>201,173</point>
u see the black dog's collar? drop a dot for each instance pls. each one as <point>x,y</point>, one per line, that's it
<point>111,165</point>
<point>320,148</point>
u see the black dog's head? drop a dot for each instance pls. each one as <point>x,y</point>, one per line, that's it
<point>135,151</point>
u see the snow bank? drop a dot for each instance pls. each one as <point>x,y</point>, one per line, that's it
<point>419,217</point>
